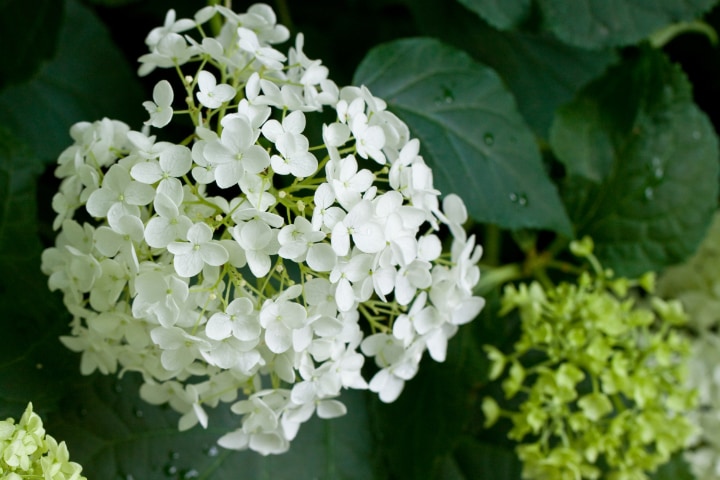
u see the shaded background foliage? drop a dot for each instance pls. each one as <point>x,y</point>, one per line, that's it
<point>552,118</point>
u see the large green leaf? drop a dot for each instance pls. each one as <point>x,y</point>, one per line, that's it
<point>421,428</point>
<point>470,131</point>
<point>604,23</point>
<point>33,363</point>
<point>541,72</point>
<point>28,33</point>
<point>88,79</point>
<point>114,434</point>
<point>501,14</point>
<point>475,460</point>
<point>642,162</point>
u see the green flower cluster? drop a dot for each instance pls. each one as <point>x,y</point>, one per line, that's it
<point>26,452</point>
<point>600,376</point>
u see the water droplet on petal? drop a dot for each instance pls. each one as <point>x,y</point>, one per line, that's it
<point>489,139</point>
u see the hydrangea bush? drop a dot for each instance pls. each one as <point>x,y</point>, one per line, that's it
<point>256,263</point>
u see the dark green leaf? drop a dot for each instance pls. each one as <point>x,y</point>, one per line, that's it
<point>33,363</point>
<point>609,23</point>
<point>642,161</point>
<point>28,33</point>
<point>477,460</point>
<point>424,424</point>
<point>115,435</point>
<point>502,14</point>
<point>541,72</point>
<point>113,3</point>
<point>470,131</point>
<point>87,80</point>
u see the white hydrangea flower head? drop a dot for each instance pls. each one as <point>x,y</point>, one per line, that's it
<point>251,264</point>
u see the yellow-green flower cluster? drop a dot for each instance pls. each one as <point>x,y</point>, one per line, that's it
<point>600,375</point>
<point>26,452</point>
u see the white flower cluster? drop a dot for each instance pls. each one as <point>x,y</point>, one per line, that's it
<point>246,265</point>
<point>696,283</point>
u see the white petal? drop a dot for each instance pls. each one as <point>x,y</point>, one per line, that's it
<point>321,257</point>
<point>218,327</point>
<point>331,409</point>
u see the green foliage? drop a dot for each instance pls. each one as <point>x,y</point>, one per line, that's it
<point>33,365</point>
<point>113,434</point>
<point>642,164</point>
<point>470,131</point>
<point>88,79</point>
<point>610,23</point>
<point>540,71</point>
<point>28,32</point>
<point>500,14</point>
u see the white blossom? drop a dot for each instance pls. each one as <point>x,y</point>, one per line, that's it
<point>244,267</point>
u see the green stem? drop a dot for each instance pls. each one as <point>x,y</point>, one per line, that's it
<point>284,16</point>
<point>492,244</point>
<point>493,277</point>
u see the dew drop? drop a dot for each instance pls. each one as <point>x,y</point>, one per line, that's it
<point>170,470</point>
<point>174,455</point>
<point>446,97</point>
<point>659,173</point>
<point>489,139</point>
<point>649,193</point>
<point>213,451</point>
<point>519,199</point>
<point>696,135</point>
<point>138,413</point>
<point>192,473</point>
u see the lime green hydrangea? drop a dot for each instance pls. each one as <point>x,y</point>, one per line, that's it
<point>601,376</point>
<point>696,283</point>
<point>27,452</point>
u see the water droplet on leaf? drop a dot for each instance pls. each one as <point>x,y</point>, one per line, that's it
<point>170,470</point>
<point>174,455</point>
<point>649,193</point>
<point>696,135</point>
<point>446,97</point>
<point>138,413</point>
<point>519,199</point>
<point>489,139</point>
<point>212,451</point>
<point>192,473</point>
